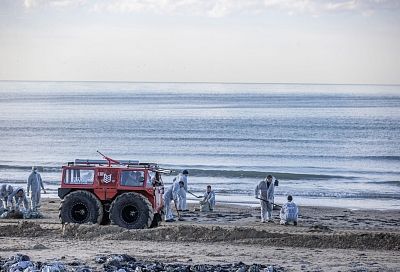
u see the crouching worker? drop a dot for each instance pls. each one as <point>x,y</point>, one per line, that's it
<point>171,194</point>
<point>14,210</point>
<point>289,212</point>
<point>208,202</point>
<point>19,196</point>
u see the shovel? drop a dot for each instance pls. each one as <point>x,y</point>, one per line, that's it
<point>194,194</point>
<point>268,202</point>
<point>179,215</point>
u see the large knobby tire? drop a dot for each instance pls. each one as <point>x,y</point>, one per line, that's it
<point>131,211</point>
<point>81,207</point>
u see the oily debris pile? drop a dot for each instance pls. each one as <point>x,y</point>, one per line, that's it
<point>125,263</point>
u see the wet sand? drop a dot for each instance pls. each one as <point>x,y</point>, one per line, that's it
<point>326,239</point>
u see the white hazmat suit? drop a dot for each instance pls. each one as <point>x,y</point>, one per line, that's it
<point>2,204</point>
<point>19,200</point>
<point>5,191</point>
<point>208,202</point>
<point>265,191</point>
<point>170,194</point>
<point>289,213</point>
<point>35,183</point>
<point>182,205</point>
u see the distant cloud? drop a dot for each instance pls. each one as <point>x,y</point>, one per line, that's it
<point>222,8</point>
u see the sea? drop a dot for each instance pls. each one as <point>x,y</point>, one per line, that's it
<point>328,145</point>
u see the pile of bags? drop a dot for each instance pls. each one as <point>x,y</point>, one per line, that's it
<point>17,214</point>
<point>20,262</point>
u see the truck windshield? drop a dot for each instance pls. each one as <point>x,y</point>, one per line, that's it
<point>132,178</point>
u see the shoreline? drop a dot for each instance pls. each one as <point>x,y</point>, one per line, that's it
<point>354,204</point>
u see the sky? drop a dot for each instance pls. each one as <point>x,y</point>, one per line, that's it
<point>247,41</point>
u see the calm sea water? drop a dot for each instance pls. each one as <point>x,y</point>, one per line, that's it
<point>335,145</point>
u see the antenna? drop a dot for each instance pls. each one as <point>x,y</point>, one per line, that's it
<point>108,159</point>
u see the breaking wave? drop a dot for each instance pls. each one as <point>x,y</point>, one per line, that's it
<point>260,174</point>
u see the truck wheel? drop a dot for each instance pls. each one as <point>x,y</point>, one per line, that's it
<point>131,211</point>
<point>81,207</point>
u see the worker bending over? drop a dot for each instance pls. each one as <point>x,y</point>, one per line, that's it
<point>265,192</point>
<point>171,194</point>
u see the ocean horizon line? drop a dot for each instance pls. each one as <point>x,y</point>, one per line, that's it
<point>203,82</point>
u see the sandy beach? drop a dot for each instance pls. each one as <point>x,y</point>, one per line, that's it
<point>326,239</point>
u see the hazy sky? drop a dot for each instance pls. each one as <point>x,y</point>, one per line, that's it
<point>283,41</point>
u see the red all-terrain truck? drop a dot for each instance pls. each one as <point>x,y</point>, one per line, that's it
<point>125,193</point>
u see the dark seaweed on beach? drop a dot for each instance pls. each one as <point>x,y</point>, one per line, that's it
<point>126,263</point>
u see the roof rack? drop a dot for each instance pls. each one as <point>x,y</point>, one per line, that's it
<point>127,163</point>
<point>108,161</point>
<point>120,162</point>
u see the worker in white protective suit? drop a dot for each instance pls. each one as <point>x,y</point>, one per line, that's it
<point>289,212</point>
<point>208,202</point>
<point>182,205</point>
<point>35,184</point>
<point>5,191</point>
<point>2,205</point>
<point>18,195</point>
<point>265,192</point>
<point>171,194</point>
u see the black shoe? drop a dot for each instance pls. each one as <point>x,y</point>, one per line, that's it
<point>170,220</point>
<point>295,223</point>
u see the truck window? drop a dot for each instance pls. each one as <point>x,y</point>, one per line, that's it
<point>79,176</point>
<point>132,178</point>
